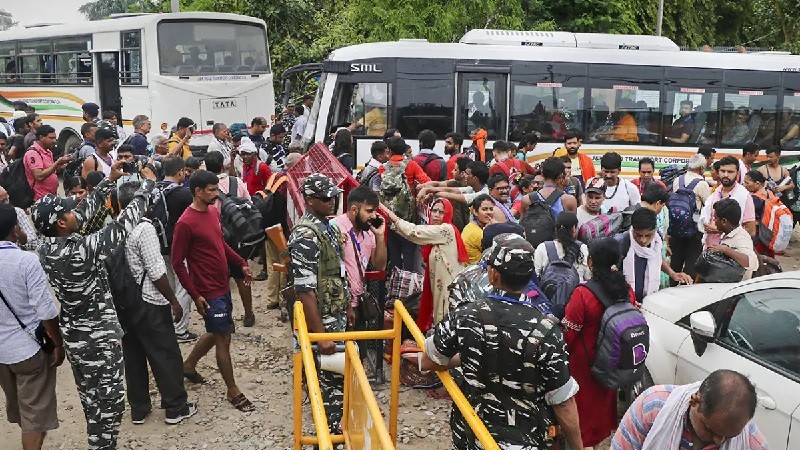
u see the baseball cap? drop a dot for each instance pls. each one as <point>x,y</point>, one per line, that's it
<point>103,133</point>
<point>18,115</point>
<point>596,184</point>
<point>48,209</point>
<point>93,109</point>
<point>510,254</point>
<point>318,185</point>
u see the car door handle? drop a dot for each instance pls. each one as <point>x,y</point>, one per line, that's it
<point>767,402</point>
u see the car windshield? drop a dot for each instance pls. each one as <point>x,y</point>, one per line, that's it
<point>206,47</point>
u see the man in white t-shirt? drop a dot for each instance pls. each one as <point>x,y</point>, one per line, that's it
<point>620,193</point>
<point>592,200</point>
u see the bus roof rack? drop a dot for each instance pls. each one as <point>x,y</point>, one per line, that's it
<point>567,39</point>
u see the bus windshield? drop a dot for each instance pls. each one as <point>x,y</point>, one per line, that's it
<point>203,47</point>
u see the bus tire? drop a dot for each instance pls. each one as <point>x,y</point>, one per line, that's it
<point>68,142</point>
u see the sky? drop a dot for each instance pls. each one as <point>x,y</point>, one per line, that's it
<point>45,11</point>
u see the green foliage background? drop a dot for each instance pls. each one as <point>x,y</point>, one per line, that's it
<point>302,31</point>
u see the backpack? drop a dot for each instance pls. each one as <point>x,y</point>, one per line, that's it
<point>125,289</point>
<point>682,207</point>
<point>600,226</point>
<point>74,168</point>
<point>13,179</point>
<point>266,202</point>
<point>539,222</point>
<point>789,198</point>
<point>559,277</point>
<point>431,158</point>
<point>669,173</point>
<point>395,193</point>
<point>510,170</point>
<point>622,343</point>
<point>159,216</point>
<point>777,224</point>
<point>241,222</point>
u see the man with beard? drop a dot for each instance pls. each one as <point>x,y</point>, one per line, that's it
<point>582,164</point>
<point>452,148</point>
<point>200,258</point>
<point>363,243</point>
<point>728,188</point>
<point>318,277</point>
<point>683,127</point>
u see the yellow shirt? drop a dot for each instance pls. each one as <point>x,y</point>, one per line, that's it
<point>173,142</point>
<point>375,122</point>
<point>472,236</point>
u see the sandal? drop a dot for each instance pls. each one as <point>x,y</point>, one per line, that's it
<point>194,377</point>
<point>241,403</point>
<point>438,393</point>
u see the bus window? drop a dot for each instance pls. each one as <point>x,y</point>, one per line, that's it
<point>8,63</point>
<point>131,70</point>
<point>691,116</point>
<point>624,113</point>
<point>748,116</point>
<point>789,125</point>
<point>547,109</point>
<point>189,48</point>
<point>482,104</point>
<point>68,53</point>
<point>36,63</point>
<point>366,104</point>
<point>425,101</point>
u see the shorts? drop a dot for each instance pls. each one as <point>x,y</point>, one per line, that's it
<point>30,390</point>
<point>235,271</point>
<point>219,318</point>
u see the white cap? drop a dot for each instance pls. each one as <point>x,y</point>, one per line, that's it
<point>18,115</point>
<point>247,146</point>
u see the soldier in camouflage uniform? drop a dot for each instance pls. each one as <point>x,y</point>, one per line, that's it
<point>89,324</point>
<point>513,357</point>
<point>317,269</point>
<point>472,283</point>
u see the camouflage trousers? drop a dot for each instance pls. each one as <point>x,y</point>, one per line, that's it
<point>98,372</point>
<point>508,439</point>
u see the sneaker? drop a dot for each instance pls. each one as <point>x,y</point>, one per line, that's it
<point>186,336</point>
<point>139,418</point>
<point>262,276</point>
<point>174,418</point>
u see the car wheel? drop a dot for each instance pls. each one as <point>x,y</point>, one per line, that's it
<point>627,396</point>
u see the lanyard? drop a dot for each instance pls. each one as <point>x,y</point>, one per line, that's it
<point>355,241</point>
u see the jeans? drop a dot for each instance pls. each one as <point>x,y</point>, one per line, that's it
<point>152,340</point>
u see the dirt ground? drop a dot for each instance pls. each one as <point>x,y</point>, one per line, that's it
<point>262,365</point>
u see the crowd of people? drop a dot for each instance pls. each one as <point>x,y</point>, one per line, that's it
<point>512,266</point>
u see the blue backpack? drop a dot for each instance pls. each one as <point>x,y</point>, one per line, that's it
<point>622,343</point>
<point>682,206</point>
<point>559,277</point>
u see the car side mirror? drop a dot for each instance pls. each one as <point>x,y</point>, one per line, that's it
<point>703,328</point>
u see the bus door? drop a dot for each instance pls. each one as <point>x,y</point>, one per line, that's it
<point>482,100</point>
<point>108,81</point>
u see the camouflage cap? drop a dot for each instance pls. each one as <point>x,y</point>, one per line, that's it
<point>510,254</point>
<point>318,185</point>
<point>48,209</point>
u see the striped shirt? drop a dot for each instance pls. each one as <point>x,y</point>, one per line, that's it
<point>640,417</point>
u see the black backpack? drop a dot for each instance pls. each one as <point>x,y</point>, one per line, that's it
<point>125,289</point>
<point>14,181</point>
<point>74,168</point>
<point>159,216</point>
<point>539,222</point>
<point>241,222</point>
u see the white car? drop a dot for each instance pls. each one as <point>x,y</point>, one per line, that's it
<point>752,327</point>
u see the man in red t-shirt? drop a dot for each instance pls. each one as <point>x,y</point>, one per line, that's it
<point>646,175</point>
<point>200,258</point>
<point>40,169</point>
<point>432,164</point>
<point>255,173</point>
<point>506,164</point>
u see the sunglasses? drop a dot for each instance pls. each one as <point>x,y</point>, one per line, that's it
<point>324,199</point>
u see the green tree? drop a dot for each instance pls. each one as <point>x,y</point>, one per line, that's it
<point>6,20</point>
<point>101,9</point>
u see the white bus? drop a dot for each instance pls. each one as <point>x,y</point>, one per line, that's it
<point>210,67</point>
<point>623,92</point>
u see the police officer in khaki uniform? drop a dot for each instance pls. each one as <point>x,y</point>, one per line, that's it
<point>319,280</point>
<point>513,358</point>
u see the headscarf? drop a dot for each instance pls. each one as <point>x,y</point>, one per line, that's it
<point>425,315</point>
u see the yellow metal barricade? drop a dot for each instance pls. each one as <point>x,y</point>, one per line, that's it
<point>363,425</point>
